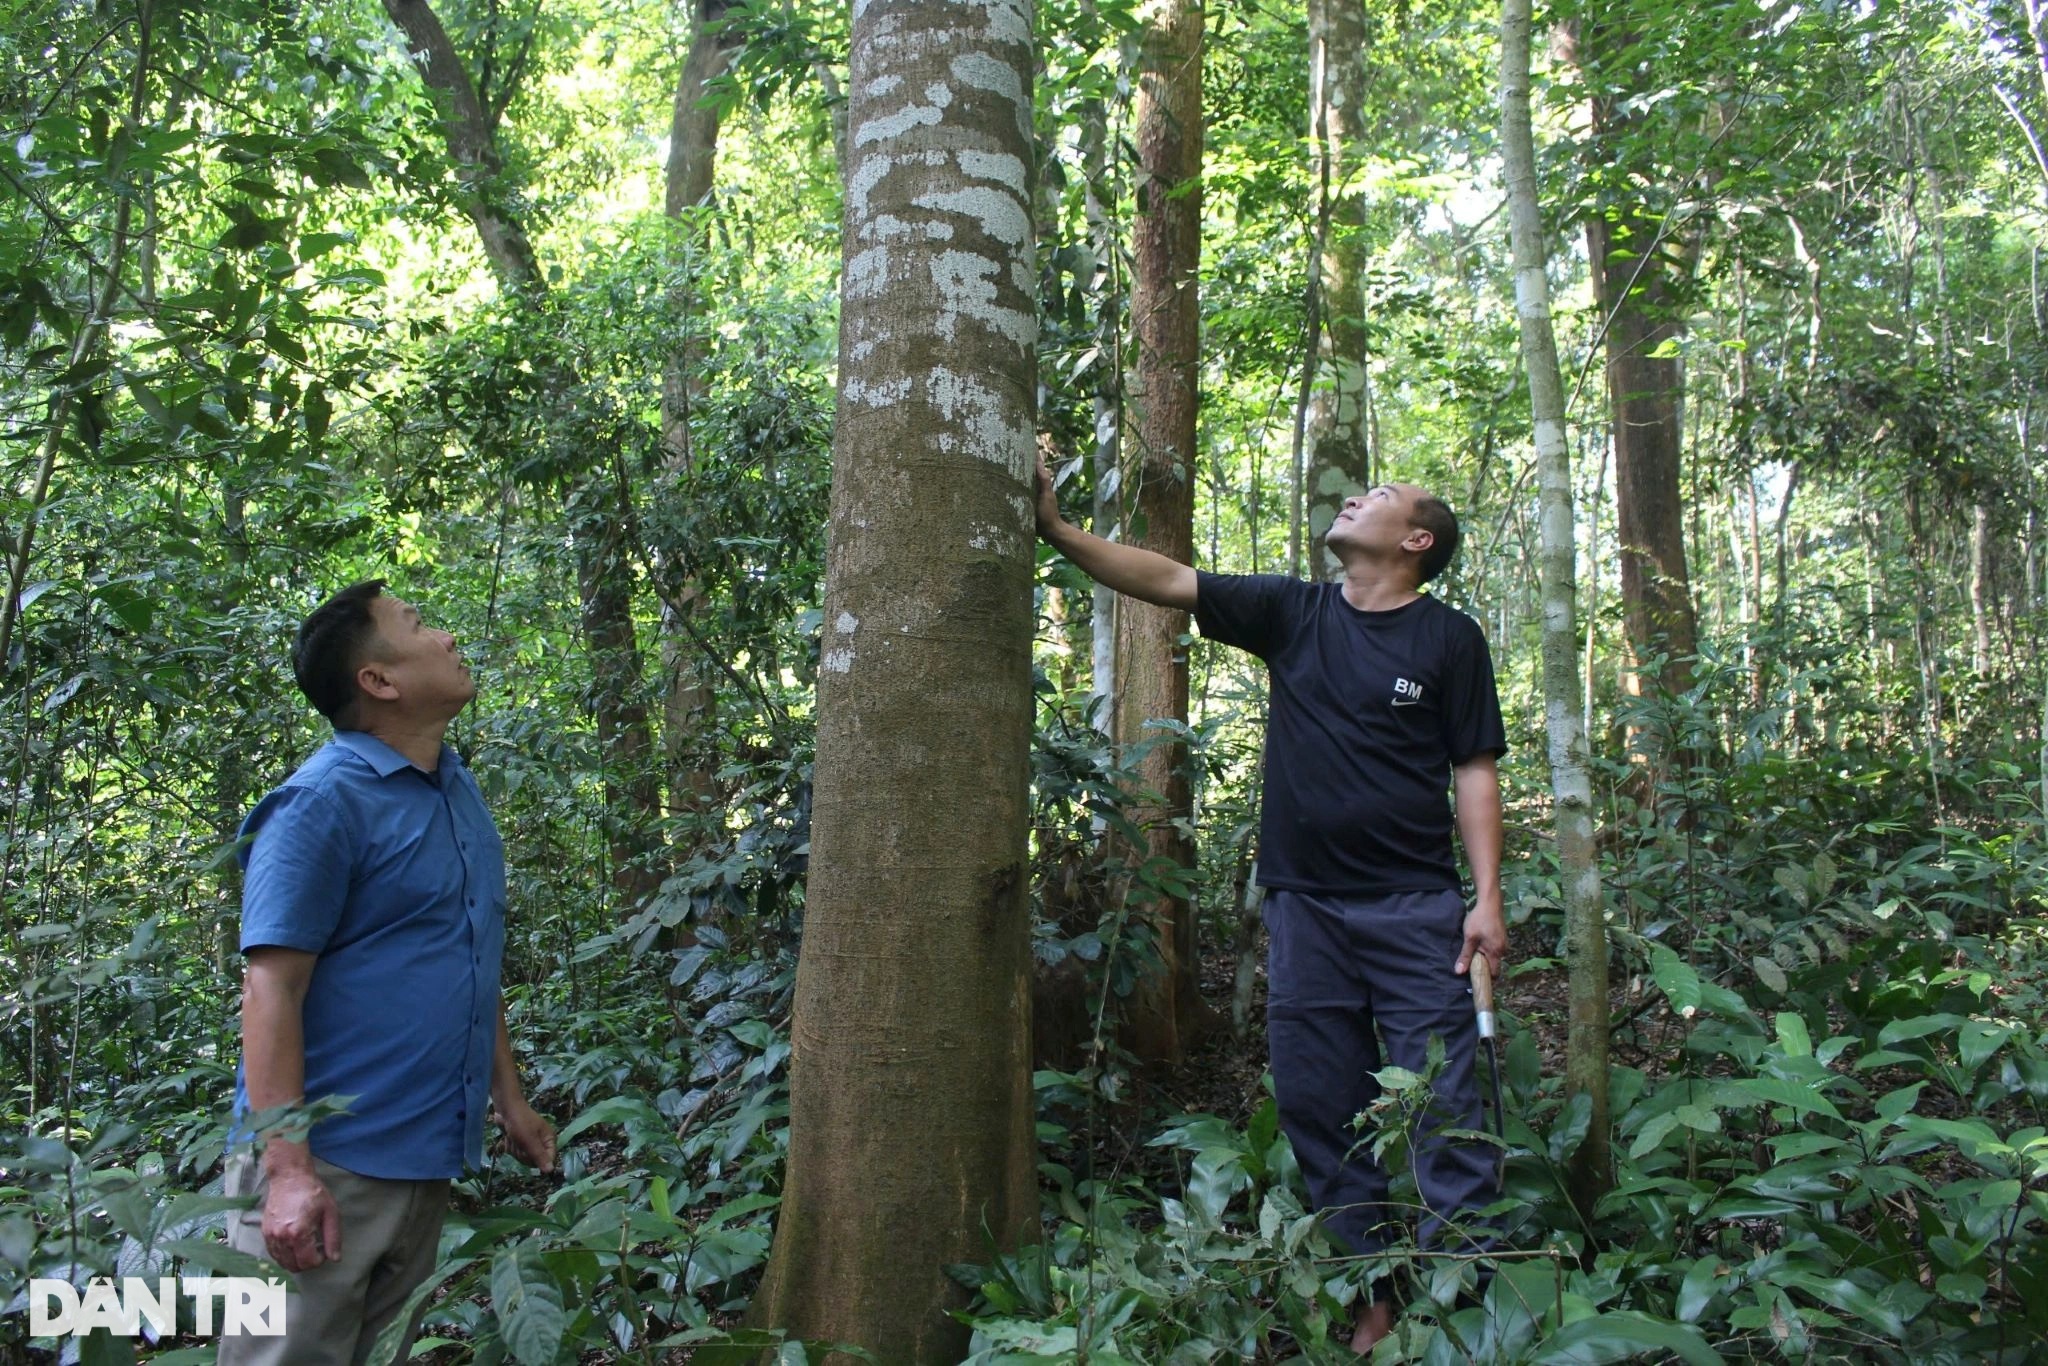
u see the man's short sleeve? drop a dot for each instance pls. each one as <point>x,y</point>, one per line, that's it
<point>299,859</point>
<point>1471,715</point>
<point>1255,612</point>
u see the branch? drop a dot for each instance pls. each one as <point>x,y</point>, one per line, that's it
<point>467,128</point>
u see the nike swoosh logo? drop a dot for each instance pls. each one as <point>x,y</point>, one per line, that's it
<point>1405,702</point>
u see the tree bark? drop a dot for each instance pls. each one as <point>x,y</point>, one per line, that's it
<point>597,510</point>
<point>1152,663</point>
<point>1339,452</point>
<point>911,1110</point>
<point>1586,1064</point>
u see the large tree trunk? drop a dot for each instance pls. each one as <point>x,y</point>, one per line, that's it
<point>1591,1169</point>
<point>911,1112</point>
<point>1152,664</point>
<point>604,573</point>
<point>1339,454</point>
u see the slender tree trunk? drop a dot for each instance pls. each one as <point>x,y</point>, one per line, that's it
<point>1591,1166</point>
<point>1107,286</point>
<point>91,331</point>
<point>911,1111</point>
<point>1339,453</point>
<point>1633,274</point>
<point>689,703</point>
<point>1980,590</point>
<point>1152,663</point>
<point>597,508</point>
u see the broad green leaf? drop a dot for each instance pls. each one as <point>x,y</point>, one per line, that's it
<point>1805,1100</point>
<point>1704,1118</point>
<point>1918,1027</point>
<point>527,1304</point>
<point>1571,1127</point>
<point>1653,1132</point>
<point>1677,979</point>
<point>1849,1297</point>
<point>1623,1335</point>
<point>1697,1289</point>
<point>1792,1032</point>
<point>1978,1040</point>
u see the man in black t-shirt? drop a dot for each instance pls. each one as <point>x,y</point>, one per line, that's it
<point>1382,701</point>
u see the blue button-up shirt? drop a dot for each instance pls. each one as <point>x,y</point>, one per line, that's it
<point>395,879</point>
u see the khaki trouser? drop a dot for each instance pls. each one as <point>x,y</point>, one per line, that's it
<point>390,1233</point>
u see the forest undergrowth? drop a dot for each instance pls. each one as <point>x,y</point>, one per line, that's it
<point>1829,1089</point>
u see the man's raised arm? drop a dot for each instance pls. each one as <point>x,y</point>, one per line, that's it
<point>1127,569</point>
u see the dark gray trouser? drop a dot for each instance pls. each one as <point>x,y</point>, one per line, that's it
<point>390,1235</point>
<point>1336,967</point>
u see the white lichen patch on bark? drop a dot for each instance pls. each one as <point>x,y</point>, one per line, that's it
<point>986,72</point>
<point>867,274</point>
<point>897,124</point>
<point>1000,167</point>
<point>847,624</point>
<point>887,226</point>
<point>989,427</point>
<point>987,536</point>
<point>967,288</point>
<point>1000,212</point>
<point>880,395</point>
<point>839,660</point>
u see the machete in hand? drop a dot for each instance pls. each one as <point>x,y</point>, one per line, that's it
<point>1482,1006</point>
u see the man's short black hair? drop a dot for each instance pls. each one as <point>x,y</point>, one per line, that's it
<point>1434,515</point>
<point>331,646</point>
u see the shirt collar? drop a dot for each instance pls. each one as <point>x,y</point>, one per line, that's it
<point>382,758</point>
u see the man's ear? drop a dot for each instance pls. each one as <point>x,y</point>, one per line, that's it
<point>1418,540</point>
<point>374,682</point>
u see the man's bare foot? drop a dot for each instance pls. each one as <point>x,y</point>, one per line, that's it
<point>1375,1321</point>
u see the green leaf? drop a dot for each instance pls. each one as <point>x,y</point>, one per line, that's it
<point>528,1304</point>
<point>1978,1041</point>
<point>319,411</point>
<point>126,602</point>
<point>1849,1297</point>
<point>1805,1100</point>
<point>314,244</point>
<point>1623,1335</point>
<point>1918,1027</point>
<point>1677,979</point>
<point>1792,1032</point>
<point>1697,1290</point>
<point>1217,1175</point>
<point>1769,973</point>
<point>1571,1128</point>
<point>1653,1133</point>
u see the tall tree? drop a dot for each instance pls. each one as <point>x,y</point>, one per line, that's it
<point>688,699</point>
<point>1337,433</point>
<point>599,504</point>
<point>911,1112</point>
<point>1152,682</point>
<point>1570,784</point>
<point>1639,265</point>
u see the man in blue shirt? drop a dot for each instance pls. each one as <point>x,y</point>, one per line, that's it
<point>373,922</point>
<point>1383,701</point>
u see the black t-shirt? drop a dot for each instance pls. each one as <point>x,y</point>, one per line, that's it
<point>1370,712</point>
